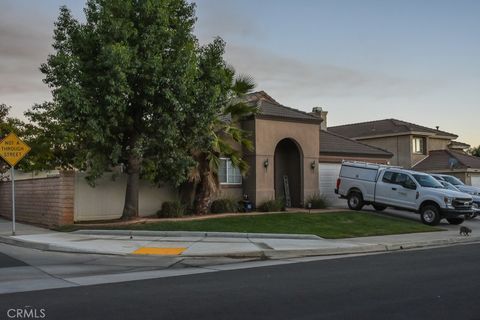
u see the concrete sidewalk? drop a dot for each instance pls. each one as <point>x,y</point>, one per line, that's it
<point>216,244</point>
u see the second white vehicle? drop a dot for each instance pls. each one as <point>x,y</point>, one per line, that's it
<point>384,186</point>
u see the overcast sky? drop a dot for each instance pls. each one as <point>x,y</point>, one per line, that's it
<point>417,61</point>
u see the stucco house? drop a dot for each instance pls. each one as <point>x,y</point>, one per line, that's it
<point>410,143</point>
<point>295,148</point>
<point>417,147</point>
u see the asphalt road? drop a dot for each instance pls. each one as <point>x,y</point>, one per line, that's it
<point>441,283</point>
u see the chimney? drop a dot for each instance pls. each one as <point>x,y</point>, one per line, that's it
<point>320,113</point>
<point>438,128</point>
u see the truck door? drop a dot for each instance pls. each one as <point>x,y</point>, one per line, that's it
<point>406,193</point>
<point>386,189</point>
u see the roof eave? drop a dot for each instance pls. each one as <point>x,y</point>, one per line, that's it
<point>288,119</point>
<point>356,154</point>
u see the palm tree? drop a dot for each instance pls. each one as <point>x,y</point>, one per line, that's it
<point>223,131</point>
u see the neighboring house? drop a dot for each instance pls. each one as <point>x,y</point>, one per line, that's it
<point>410,143</point>
<point>452,162</point>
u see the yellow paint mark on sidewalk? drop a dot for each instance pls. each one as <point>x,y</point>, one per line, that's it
<point>159,251</point>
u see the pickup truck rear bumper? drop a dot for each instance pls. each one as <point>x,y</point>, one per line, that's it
<point>454,213</point>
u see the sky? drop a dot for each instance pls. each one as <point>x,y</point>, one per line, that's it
<point>361,60</point>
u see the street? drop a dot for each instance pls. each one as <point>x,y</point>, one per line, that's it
<point>441,283</point>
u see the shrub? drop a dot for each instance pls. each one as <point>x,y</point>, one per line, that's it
<point>171,209</point>
<point>272,206</point>
<point>318,201</point>
<point>225,205</point>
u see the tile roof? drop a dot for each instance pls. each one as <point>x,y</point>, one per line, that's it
<point>384,127</point>
<point>269,107</point>
<point>447,160</point>
<point>458,145</point>
<point>334,144</point>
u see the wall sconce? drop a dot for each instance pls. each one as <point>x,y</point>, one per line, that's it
<point>312,165</point>
<point>265,163</point>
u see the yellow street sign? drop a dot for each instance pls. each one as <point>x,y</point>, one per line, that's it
<point>12,149</point>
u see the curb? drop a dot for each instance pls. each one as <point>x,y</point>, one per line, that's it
<point>263,254</point>
<point>50,247</point>
<point>198,234</point>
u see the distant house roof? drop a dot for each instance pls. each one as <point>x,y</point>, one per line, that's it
<point>385,127</point>
<point>447,160</point>
<point>268,107</point>
<point>334,144</point>
<point>458,145</point>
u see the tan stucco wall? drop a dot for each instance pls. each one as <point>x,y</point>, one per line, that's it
<point>400,146</point>
<point>105,201</point>
<point>402,149</point>
<point>437,144</point>
<point>268,133</point>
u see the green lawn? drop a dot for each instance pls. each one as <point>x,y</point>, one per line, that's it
<point>327,225</point>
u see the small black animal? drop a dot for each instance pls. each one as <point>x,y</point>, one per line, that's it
<point>465,231</point>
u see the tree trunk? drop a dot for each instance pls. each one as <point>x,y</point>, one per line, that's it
<point>203,192</point>
<point>203,197</point>
<point>130,208</point>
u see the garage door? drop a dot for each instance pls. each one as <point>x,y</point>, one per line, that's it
<point>475,181</point>
<point>328,175</point>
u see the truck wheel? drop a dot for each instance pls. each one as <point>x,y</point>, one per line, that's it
<point>430,215</point>
<point>455,221</point>
<point>470,216</point>
<point>355,201</point>
<point>379,207</point>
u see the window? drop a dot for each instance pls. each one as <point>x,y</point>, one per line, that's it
<point>227,173</point>
<point>400,178</point>
<point>388,177</point>
<point>427,181</point>
<point>419,145</point>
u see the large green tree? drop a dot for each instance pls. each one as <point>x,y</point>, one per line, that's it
<point>126,90</point>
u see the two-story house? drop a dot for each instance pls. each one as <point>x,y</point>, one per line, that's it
<point>410,143</point>
<point>417,147</point>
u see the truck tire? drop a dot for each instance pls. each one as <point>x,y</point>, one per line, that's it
<point>355,201</point>
<point>379,207</point>
<point>470,216</point>
<point>430,215</point>
<point>455,221</point>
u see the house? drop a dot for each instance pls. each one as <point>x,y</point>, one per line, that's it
<point>410,143</point>
<point>292,148</point>
<point>417,147</point>
<point>285,154</point>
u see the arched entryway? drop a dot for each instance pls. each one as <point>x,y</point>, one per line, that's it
<point>288,166</point>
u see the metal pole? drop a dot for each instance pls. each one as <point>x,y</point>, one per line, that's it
<point>13,200</point>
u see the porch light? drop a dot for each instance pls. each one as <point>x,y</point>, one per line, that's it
<point>265,163</point>
<point>312,165</point>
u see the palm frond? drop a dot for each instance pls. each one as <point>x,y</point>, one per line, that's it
<point>243,84</point>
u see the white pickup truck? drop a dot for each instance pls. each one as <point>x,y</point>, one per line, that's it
<point>384,186</point>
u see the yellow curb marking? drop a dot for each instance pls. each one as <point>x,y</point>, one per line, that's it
<point>159,251</point>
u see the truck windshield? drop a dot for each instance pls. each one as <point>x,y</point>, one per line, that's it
<point>453,180</point>
<point>427,181</point>
<point>449,186</point>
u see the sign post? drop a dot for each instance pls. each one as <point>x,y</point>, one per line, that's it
<point>12,150</point>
